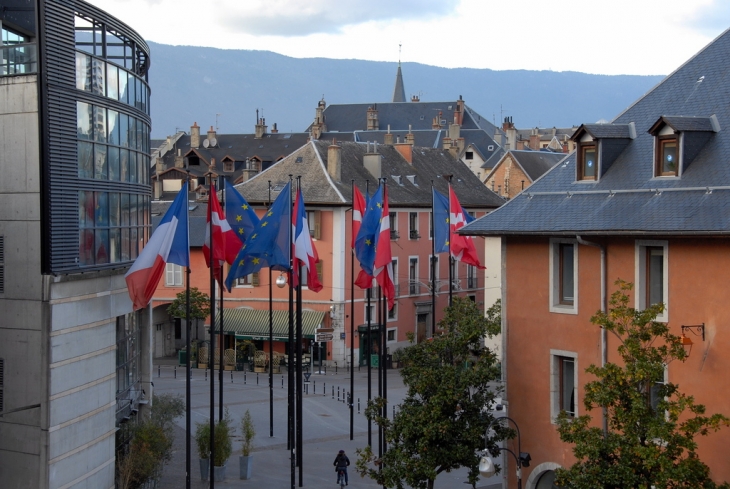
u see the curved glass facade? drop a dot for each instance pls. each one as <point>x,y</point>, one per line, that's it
<point>113,143</point>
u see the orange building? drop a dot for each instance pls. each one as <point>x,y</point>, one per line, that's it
<point>643,198</point>
<point>327,171</point>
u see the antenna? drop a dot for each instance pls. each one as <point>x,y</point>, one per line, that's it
<point>216,124</point>
<point>213,142</point>
<point>206,143</point>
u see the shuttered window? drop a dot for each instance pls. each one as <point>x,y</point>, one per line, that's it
<point>173,275</point>
<point>314,220</point>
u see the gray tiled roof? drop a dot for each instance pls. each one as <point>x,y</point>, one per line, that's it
<point>605,131</point>
<point>628,199</point>
<point>536,163</point>
<point>318,188</point>
<point>689,123</point>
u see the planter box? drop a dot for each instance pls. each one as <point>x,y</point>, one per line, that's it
<point>220,473</point>
<point>244,466</point>
<point>204,468</point>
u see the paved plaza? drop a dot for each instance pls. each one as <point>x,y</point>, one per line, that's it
<point>326,427</point>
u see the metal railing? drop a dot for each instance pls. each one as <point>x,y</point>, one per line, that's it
<point>18,59</point>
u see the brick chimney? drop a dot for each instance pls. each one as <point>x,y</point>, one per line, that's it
<point>274,130</point>
<point>459,112</point>
<point>388,137</point>
<point>372,160</point>
<point>436,123</point>
<point>410,138</point>
<point>211,135</point>
<point>373,118</point>
<point>406,151</point>
<point>179,160</point>
<point>535,139</point>
<point>260,127</point>
<point>334,161</point>
<point>509,128</point>
<point>415,98</point>
<point>195,136</point>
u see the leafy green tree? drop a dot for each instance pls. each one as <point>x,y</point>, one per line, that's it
<point>442,421</point>
<point>199,305</point>
<point>647,444</point>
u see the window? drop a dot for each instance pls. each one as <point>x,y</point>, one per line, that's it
<point>228,165</point>
<point>392,334</point>
<point>393,312</point>
<point>563,383</point>
<point>413,275</point>
<point>471,277</point>
<point>250,280</point>
<point>431,278</point>
<point>370,312</point>
<point>564,276</point>
<point>304,277</point>
<point>587,162</point>
<point>413,225</point>
<point>396,278</point>
<point>651,276</point>
<point>667,156</point>
<point>18,55</point>
<point>392,216</point>
<point>314,220</point>
<point>469,155</point>
<point>173,275</point>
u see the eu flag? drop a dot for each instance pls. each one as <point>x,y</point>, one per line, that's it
<point>367,237</point>
<point>440,222</point>
<point>270,242</point>
<point>240,216</point>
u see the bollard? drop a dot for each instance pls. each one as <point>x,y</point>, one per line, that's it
<point>338,394</point>
<point>314,387</point>
<point>257,378</point>
<point>333,392</point>
<point>282,381</point>
<point>175,370</point>
<point>358,405</point>
<point>343,396</point>
<point>244,377</point>
<point>324,389</point>
<point>206,374</point>
<point>158,370</point>
<point>325,369</point>
<point>335,368</point>
<point>231,376</point>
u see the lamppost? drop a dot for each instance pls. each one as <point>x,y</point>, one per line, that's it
<point>486,466</point>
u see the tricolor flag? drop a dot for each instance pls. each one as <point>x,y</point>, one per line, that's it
<point>225,242</point>
<point>304,251</point>
<point>462,247</point>
<point>383,264</point>
<point>168,244</point>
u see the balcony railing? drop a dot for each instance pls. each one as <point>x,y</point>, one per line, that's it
<point>18,59</point>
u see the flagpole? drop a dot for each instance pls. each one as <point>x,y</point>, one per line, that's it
<point>292,451</point>
<point>434,259</point>
<point>352,320</point>
<point>271,344</point>
<point>211,352</point>
<point>383,356</point>
<point>369,293</point>
<point>300,444</point>
<point>451,258</point>
<point>221,339</point>
<point>379,310</point>
<point>187,352</point>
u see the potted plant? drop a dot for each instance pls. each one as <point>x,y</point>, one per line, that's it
<point>396,358</point>
<point>247,432</point>
<point>223,432</point>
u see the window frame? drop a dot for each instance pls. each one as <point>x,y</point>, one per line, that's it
<point>642,249</point>
<point>172,270</point>
<point>661,140</point>
<point>250,280</point>
<point>557,359</point>
<point>413,286</point>
<point>314,220</point>
<point>391,330</point>
<point>393,218</point>
<point>556,274</point>
<point>413,225</point>
<point>581,156</point>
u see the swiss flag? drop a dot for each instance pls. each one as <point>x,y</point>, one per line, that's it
<point>462,247</point>
<point>358,209</point>
<point>225,242</point>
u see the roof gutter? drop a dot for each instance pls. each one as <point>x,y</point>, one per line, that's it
<point>604,309</point>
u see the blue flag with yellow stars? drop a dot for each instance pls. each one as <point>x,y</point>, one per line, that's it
<point>367,237</point>
<point>270,242</point>
<point>240,216</point>
<point>440,222</point>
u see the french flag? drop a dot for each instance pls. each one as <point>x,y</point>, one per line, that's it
<point>168,244</point>
<point>462,247</point>
<point>226,243</point>
<point>304,250</point>
<point>383,264</point>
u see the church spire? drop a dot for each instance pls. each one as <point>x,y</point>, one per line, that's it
<point>399,94</point>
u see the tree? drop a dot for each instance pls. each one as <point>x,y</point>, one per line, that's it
<point>199,305</point>
<point>442,421</point>
<point>651,425</point>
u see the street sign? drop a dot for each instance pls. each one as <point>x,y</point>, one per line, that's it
<point>321,337</point>
<point>325,330</point>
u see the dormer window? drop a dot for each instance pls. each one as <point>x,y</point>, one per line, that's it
<point>587,162</point>
<point>678,140</point>
<point>228,164</point>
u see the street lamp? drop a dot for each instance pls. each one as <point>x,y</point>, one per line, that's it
<point>281,281</point>
<point>486,465</point>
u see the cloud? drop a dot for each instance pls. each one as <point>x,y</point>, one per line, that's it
<point>710,19</point>
<point>293,18</point>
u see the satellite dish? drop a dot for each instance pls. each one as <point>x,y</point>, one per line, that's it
<point>213,142</point>
<point>206,143</point>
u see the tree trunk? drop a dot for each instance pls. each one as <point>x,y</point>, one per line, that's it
<point>430,483</point>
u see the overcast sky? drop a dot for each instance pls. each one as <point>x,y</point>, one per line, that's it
<point>642,37</point>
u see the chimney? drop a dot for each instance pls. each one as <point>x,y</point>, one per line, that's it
<point>415,98</point>
<point>535,139</point>
<point>211,135</point>
<point>274,130</point>
<point>507,124</point>
<point>373,118</point>
<point>410,139</point>
<point>459,112</point>
<point>179,160</point>
<point>436,123</point>
<point>334,161</point>
<point>498,137</point>
<point>372,160</point>
<point>406,151</point>
<point>454,131</point>
<point>159,165</point>
<point>388,137</point>
<point>195,136</point>
<point>260,128</point>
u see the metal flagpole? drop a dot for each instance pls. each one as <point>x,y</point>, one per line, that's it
<point>380,363</point>
<point>369,349</point>
<point>451,258</point>
<point>271,344</point>
<point>300,444</point>
<point>211,349</point>
<point>221,348</point>
<point>187,354</point>
<point>352,322</point>
<point>434,259</point>
<point>291,431</point>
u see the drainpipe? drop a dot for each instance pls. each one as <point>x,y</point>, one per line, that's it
<point>604,308</point>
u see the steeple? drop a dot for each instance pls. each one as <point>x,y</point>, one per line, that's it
<point>399,94</point>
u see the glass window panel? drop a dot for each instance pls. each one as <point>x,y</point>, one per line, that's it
<point>83,72</point>
<point>114,212</point>
<point>128,57</point>
<point>86,160</point>
<point>131,90</point>
<point>125,209</point>
<point>132,166</point>
<point>84,120</point>
<point>101,169</point>
<point>589,162</point>
<point>99,124</point>
<point>115,245</point>
<point>125,244</point>
<point>655,280</point>
<point>566,273</point>
<point>567,373</point>
<point>101,214</point>
<point>122,86</point>
<point>123,124</point>
<point>112,81</point>
<point>140,130</point>
<point>133,249</point>
<point>133,209</point>
<point>113,160</point>
<point>123,165</point>
<point>669,156</point>
<point>98,77</point>
<point>140,168</point>
<point>102,246</point>
<point>112,124</point>
<point>131,133</point>
<point>86,209</point>
<point>86,247</point>
<point>138,96</point>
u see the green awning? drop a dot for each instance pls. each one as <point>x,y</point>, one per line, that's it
<point>253,324</point>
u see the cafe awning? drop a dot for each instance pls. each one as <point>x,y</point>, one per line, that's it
<point>253,324</point>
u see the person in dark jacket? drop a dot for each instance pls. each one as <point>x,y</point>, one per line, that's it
<point>341,462</point>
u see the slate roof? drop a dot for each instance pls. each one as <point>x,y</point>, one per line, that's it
<point>319,188</point>
<point>399,92</point>
<point>605,131</point>
<point>535,163</point>
<point>628,199</point>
